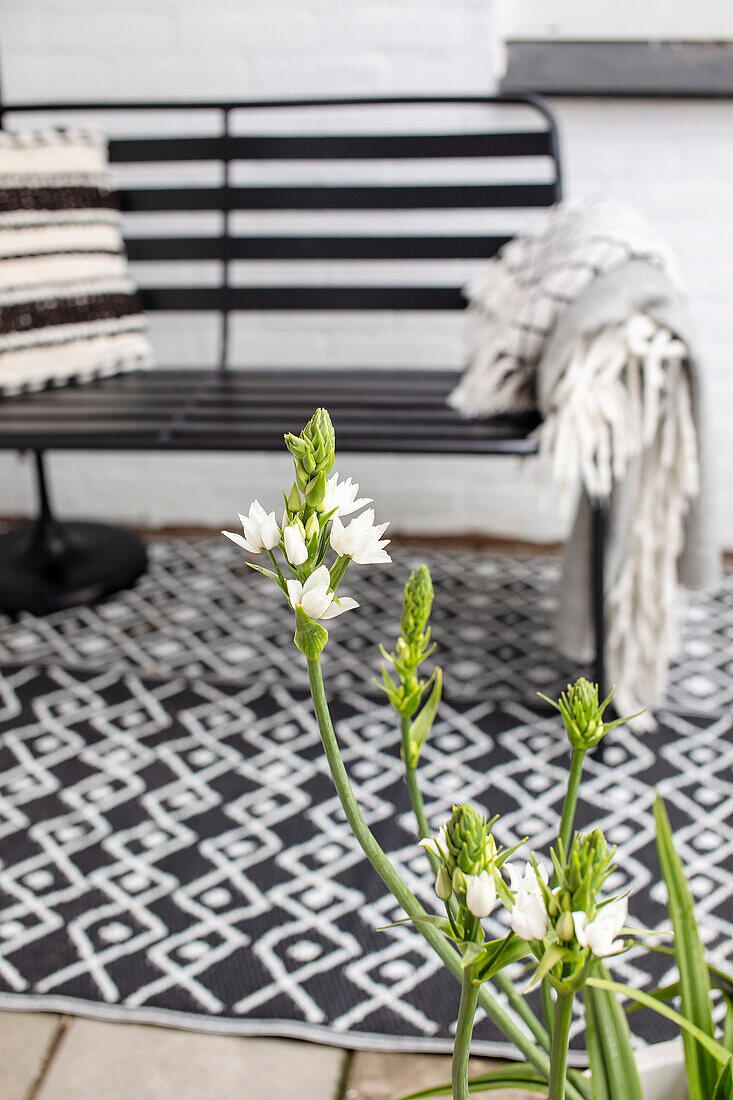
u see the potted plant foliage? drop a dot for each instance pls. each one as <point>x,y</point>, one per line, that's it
<point>562,922</point>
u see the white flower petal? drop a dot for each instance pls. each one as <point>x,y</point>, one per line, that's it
<point>337,607</point>
<point>371,557</point>
<point>515,876</point>
<point>295,591</point>
<point>240,541</point>
<point>270,532</point>
<point>580,921</point>
<point>337,536</point>
<point>319,578</point>
<point>315,602</point>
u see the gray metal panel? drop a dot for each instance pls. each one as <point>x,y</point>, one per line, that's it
<point>666,69</point>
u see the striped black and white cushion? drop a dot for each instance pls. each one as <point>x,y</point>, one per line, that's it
<point>68,307</point>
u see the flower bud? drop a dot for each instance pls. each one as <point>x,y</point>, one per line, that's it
<point>459,882</point>
<point>564,927</point>
<point>312,527</point>
<point>466,839</point>
<point>480,894</point>
<point>295,548</point>
<point>294,501</point>
<point>315,491</point>
<point>583,871</point>
<point>443,887</point>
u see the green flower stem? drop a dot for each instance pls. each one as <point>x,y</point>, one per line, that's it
<point>278,570</point>
<point>397,887</point>
<point>560,1038</point>
<point>522,1008</point>
<point>338,569</point>
<point>464,1031</point>
<point>571,798</point>
<point>518,1003</point>
<point>548,1005</point>
<point>418,807</point>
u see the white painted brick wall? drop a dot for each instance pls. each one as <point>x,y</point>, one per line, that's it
<point>674,160</point>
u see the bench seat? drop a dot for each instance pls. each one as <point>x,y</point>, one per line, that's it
<point>374,411</point>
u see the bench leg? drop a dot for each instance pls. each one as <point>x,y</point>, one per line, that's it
<point>50,565</point>
<point>598,537</point>
<point>598,547</point>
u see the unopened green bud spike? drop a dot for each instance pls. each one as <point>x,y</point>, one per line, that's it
<point>466,836</point>
<point>417,604</point>
<point>582,713</point>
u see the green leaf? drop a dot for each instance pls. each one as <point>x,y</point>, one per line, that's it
<point>518,1076</point>
<point>695,1000</point>
<point>717,1052</point>
<point>613,1037</point>
<point>661,993</point>
<point>310,637</point>
<point>265,572</point>
<point>553,955</point>
<point>471,952</point>
<point>728,1023</point>
<point>724,1084</point>
<point>719,979</point>
<point>595,1047</point>
<point>502,953</point>
<point>428,918</point>
<point>421,726</point>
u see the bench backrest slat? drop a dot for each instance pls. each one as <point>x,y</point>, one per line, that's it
<point>459,202</point>
<point>345,147</point>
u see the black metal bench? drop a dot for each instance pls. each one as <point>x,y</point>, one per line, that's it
<point>56,564</point>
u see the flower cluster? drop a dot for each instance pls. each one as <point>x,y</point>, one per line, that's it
<point>469,863</point>
<point>569,925</point>
<point>579,915</point>
<point>312,522</point>
<point>571,916</point>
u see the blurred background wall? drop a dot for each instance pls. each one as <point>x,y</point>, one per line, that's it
<point>673,158</point>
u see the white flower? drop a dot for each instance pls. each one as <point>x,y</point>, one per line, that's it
<point>260,530</point>
<point>480,893</point>
<point>529,918</point>
<point>361,540</point>
<point>600,933</point>
<point>341,496</point>
<point>295,548</point>
<point>315,597</point>
<point>443,885</point>
<point>437,844</point>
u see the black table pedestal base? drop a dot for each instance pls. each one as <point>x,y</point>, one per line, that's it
<point>51,565</point>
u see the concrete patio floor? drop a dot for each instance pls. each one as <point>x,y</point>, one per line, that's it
<point>49,1057</point>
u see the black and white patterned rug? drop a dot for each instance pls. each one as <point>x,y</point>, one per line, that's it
<point>170,845</point>
<point>199,612</point>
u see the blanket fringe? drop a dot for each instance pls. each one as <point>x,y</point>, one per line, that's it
<point>625,397</point>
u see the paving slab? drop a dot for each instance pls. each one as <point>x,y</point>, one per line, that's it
<point>377,1076</point>
<point>106,1061</point>
<point>26,1041</point>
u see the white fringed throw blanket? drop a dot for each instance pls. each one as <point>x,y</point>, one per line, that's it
<point>585,319</point>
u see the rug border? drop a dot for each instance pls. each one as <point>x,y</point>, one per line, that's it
<point>275,1029</point>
